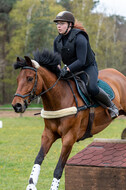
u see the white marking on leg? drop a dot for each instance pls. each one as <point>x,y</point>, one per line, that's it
<point>55,184</point>
<point>35,173</point>
<point>31,187</point>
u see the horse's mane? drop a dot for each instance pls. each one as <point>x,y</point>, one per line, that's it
<point>45,59</point>
<point>48,60</point>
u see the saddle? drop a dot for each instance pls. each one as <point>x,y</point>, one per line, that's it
<point>82,90</point>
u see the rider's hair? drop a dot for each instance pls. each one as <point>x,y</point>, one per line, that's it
<point>79,25</point>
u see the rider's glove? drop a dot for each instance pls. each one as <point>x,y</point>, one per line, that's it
<point>64,71</point>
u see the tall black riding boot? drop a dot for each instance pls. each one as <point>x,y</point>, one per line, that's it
<point>104,99</point>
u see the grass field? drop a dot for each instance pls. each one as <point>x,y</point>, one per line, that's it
<point>19,144</point>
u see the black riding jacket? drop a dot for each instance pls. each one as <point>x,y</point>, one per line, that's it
<point>75,50</point>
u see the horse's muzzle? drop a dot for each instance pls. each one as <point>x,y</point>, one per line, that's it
<point>19,107</point>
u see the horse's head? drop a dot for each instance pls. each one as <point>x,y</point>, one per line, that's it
<point>27,83</point>
<point>30,83</point>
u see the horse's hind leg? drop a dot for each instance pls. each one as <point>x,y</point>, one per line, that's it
<point>67,144</point>
<point>46,142</point>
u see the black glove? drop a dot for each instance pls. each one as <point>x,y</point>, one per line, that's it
<point>64,71</point>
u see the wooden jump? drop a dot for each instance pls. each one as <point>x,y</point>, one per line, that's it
<point>100,166</point>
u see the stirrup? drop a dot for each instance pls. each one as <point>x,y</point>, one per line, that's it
<point>114,112</point>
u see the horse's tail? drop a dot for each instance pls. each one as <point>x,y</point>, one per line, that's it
<point>79,25</point>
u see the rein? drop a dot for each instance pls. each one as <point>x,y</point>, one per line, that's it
<point>32,95</point>
<point>47,89</point>
<point>76,74</point>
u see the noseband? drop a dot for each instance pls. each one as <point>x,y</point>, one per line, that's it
<point>32,95</point>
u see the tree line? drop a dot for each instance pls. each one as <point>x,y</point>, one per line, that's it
<point>28,25</point>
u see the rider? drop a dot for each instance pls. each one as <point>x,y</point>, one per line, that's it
<point>75,50</point>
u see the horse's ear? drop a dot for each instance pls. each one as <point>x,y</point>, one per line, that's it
<point>18,59</point>
<point>28,61</point>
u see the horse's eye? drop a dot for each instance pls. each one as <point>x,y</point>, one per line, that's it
<point>30,79</point>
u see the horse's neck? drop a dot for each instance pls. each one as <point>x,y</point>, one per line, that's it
<point>57,97</point>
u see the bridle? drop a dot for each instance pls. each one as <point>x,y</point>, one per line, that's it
<point>32,95</point>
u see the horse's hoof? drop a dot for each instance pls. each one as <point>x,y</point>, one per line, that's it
<point>31,187</point>
<point>123,135</point>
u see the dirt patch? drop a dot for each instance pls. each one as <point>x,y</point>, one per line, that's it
<point>27,113</point>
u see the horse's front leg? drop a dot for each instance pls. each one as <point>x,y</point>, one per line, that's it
<point>67,144</point>
<point>46,142</point>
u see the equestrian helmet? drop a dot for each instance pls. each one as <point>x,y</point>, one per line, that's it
<point>65,16</point>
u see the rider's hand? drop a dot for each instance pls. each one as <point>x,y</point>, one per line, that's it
<point>64,71</point>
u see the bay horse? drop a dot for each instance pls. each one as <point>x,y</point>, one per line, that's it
<point>38,78</point>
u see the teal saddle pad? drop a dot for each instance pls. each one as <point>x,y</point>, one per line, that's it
<point>102,84</point>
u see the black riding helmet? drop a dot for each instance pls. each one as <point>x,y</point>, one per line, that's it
<point>65,16</point>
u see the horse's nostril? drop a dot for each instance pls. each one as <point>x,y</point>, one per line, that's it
<point>17,107</point>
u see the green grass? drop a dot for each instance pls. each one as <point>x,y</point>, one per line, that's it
<point>20,140</point>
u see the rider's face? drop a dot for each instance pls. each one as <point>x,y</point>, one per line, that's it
<point>62,27</point>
